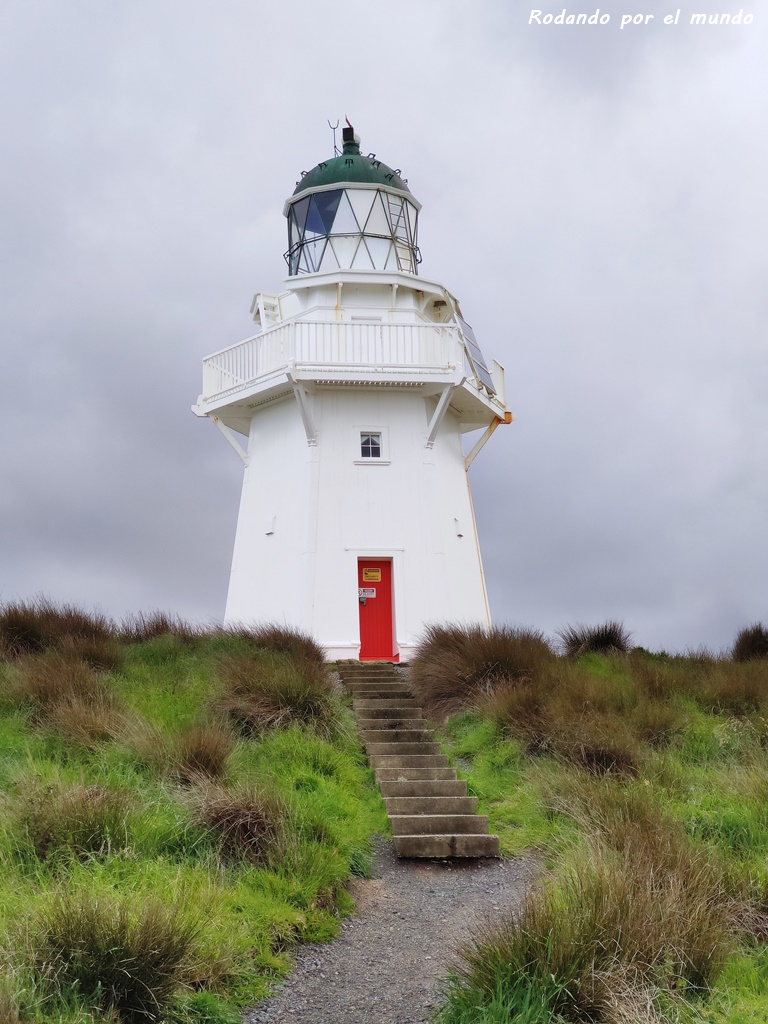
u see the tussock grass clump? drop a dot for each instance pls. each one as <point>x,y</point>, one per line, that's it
<point>86,723</point>
<point>82,820</point>
<point>281,640</point>
<point>273,691</point>
<point>202,752</point>
<point>54,677</point>
<point>142,626</point>
<point>614,930</point>
<point>67,696</point>
<point>609,637</point>
<point>733,688</point>
<point>455,665</point>
<point>573,713</point>
<point>127,956</point>
<point>29,627</point>
<point>247,823</point>
<point>104,654</point>
<point>751,643</point>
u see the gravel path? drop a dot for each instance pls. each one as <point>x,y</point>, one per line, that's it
<point>387,964</point>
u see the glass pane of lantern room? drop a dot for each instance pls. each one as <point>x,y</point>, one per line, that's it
<point>361,200</point>
<point>345,247</point>
<point>404,258</point>
<point>329,261</point>
<point>413,215</point>
<point>344,223</point>
<point>397,217</point>
<point>377,223</point>
<point>379,250</point>
<point>362,260</point>
<point>313,253</point>
<point>299,213</point>
<point>326,204</point>
<point>314,225</point>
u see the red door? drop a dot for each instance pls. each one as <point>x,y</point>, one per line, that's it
<point>374,581</point>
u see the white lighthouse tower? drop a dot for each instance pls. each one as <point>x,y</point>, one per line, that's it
<point>349,409</point>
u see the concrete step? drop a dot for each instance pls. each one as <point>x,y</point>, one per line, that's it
<point>422,747</point>
<point>418,774</point>
<point>350,677</point>
<point>374,684</point>
<point>379,693</point>
<point>431,805</point>
<point>447,846</point>
<point>408,761</point>
<point>367,724</point>
<point>361,689</point>
<point>377,672</point>
<point>388,711</point>
<point>424,787</point>
<point>372,704</point>
<point>369,736</point>
<point>438,824</point>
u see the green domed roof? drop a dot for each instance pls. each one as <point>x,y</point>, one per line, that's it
<point>351,166</point>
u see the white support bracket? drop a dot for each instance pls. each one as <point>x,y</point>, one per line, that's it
<point>438,415</point>
<point>229,436</point>
<point>302,400</point>
<point>507,418</point>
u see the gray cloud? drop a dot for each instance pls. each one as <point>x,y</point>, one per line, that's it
<point>596,201</point>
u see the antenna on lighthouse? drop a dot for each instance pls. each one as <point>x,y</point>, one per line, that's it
<point>334,128</point>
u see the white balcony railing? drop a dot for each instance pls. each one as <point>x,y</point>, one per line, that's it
<point>333,347</point>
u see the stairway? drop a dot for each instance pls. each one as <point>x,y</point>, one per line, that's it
<point>428,807</point>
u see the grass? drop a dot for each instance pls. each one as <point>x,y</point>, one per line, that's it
<point>641,779</point>
<point>125,793</point>
<point>606,638</point>
<point>202,752</point>
<point>117,955</point>
<point>82,820</point>
<point>154,765</point>
<point>248,824</point>
<point>751,643</point>
<point>275,690</point>
<point>455,665</point>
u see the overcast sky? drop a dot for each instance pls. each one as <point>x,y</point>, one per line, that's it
<point>595,196</point>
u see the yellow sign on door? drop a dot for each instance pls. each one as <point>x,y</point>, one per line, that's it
<point>371,575</point>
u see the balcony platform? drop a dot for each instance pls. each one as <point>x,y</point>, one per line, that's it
<point>337,353</point>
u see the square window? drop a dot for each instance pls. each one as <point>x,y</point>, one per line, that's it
<point>370,446</point>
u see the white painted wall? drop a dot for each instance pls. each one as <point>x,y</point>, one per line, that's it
<point>329,509</point>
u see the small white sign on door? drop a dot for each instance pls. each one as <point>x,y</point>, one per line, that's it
<point>366,592</point>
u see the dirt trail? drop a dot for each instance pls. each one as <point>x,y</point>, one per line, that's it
<point>387,964</point>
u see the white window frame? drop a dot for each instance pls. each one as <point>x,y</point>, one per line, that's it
<point>383,459</point>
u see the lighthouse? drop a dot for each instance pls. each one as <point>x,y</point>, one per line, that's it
<point>349,408</point>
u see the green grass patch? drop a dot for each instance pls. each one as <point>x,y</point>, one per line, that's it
<point>141,878</point>
<point>642,778</point>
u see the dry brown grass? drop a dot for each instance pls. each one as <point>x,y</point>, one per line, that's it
<point>572,713</point>
<point>202,752</point>
<point>280,640</point>
<point>248,823</point>
<point>87,723</point>
<point>82,820</point>
<point>455,665</point>
<point>751,643</point>
<point>104,654</point>
<point>53,677</point>
<point>29,627</point>
<point>126,956</point>
<point>142,626</point>
<point>273,691</point>
<point>619,925</point>
<point>607,638</point>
